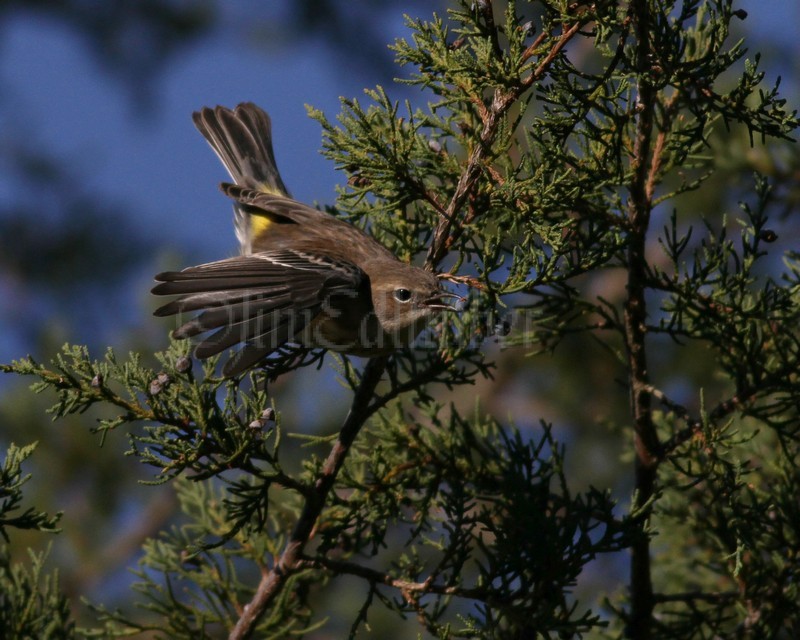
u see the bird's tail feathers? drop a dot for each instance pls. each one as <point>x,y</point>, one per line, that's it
<point>242,138</point>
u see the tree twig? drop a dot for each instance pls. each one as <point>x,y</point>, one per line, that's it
<point>404,586</point>
<point>447,230</point>
<point>289,562</point>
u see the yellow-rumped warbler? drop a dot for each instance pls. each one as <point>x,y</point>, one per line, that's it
<point>303,276</point>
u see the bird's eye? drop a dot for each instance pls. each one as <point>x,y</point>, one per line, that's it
<point>402,295</point>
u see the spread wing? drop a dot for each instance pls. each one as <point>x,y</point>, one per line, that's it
<point>261,300</point>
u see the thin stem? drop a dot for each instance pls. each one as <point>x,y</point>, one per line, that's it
<point>406,587</point>
<point>447,231</point>
<point>289,562</point>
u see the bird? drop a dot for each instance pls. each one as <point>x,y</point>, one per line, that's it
<point>303,276</point>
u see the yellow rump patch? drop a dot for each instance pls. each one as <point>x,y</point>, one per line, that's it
<point>259,223</point>
<point>260,219</point>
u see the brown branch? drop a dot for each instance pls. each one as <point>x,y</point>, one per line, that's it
<point>404,586</point>
<point>695,425</point>
<point>676,408</point>
<point>566,36</point>
<point>486,9</point>
<point>670,108</point>
<point>470,281</point>
<point>447,231</point>
<point>644,164</point>
<point>534,46</point>
<point>274,579</point>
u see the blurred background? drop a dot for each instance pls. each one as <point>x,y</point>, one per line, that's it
<point>104,181</point>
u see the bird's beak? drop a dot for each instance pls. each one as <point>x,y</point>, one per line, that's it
<point>435,301</point>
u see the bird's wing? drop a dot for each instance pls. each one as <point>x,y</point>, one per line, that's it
<point>262,300</point>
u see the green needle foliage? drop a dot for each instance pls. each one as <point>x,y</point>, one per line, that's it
<point>11,482</point>
<point>31,603</point>
<point>576,170</point>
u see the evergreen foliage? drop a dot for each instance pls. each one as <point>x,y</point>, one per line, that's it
<point>566,145</point>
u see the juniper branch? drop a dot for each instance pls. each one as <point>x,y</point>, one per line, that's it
<point>646,444</point>
<point>274,579</point>
<point>373,576</point>
<point>447,230</point>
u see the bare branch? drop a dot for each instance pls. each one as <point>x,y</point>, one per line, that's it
<point>643,164</point>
